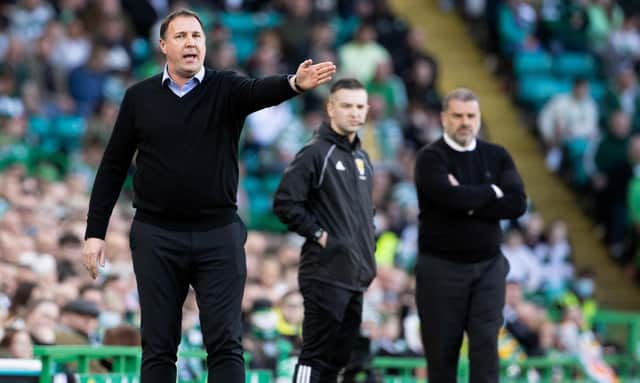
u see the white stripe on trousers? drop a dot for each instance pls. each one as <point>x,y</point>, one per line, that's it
<point>304,374</point>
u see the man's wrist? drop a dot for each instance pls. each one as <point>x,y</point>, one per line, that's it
<point>317,235</point>
<point>498,191</point>
<point>293,81</point>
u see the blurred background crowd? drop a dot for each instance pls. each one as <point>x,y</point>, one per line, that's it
<point>64,67</point>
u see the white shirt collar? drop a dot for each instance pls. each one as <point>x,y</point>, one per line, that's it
<point>456,146</point>
<point>198,76</point>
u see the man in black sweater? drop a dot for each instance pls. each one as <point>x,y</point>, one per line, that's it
<point>325,196</point>
<point>185,125</point>
<point>465,187</point>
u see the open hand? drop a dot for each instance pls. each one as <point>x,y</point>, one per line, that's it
<point>309,75</point>
<point>92,253</point>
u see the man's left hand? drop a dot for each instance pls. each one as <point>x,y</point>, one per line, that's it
<point>310,75</point>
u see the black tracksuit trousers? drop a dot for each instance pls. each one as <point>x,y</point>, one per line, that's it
<point>332,318</point>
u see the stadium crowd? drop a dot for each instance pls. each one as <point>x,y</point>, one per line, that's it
<point>64,67</point>
<point>573,67</point>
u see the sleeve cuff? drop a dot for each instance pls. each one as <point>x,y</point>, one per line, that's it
<point>95,230</point>
<point>292,82</point>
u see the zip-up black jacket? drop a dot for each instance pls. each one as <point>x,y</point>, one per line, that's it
<point>328,185</point>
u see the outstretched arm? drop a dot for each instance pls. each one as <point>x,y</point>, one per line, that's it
<point>249,95</point>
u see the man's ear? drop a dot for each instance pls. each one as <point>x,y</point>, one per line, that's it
<point>163,46</point>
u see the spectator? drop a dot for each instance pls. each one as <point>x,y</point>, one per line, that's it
<point>16,344</point>
<point>516,27</point>
<point>524,267</point>
<point>633,204</point>
<point>40,321</point>
<point>361,55</point>
<point>610,178</point>
<point>290,314</point>
<point>414,50</point>
<point>78,323</point>
<point>581,297</point>
<point>390,88</point>
<point>569,32</point>
<point>623,49</point>
<point>568,122</point>
<point>29,19</point>
<point>605,16</point>
<point>556,264</point>
<point>86,83</point>
<point>421,85</point>
<point>624,94</point>
<point>523,319</point>
<point>294,30</point>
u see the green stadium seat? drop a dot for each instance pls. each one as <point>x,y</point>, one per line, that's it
<point>574,65</point>
<point>251,185</point>
<point>249,23</point>
<point>598,89</point>
<point>244,47</point>
<point>536,90</point>
<point>39,126</point>
<point>528,63</point>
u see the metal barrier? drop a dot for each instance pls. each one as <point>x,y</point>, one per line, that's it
<point>126,360</point>
<point>126,364</point>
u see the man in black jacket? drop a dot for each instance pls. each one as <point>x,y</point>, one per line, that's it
<point>325,196</point>
<point>465,187</point>
<point>185,125</point>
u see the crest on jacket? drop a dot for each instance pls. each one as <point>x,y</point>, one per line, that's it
<point>360,166</point>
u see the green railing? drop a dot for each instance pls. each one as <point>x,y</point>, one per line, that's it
<point>126,363</point>
<point>126,360</point>
<point>253,376</point>
<point>550,369</point>
<point>628,322</point>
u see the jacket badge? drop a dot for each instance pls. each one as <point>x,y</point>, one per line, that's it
<point>340,166</point>
<point>360,166</point>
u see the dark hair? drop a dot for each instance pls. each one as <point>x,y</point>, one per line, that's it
<point>122,335</point>
<point>177,13</point>
<point>88,287</point>
<point>460,94</point>
<point>579,81</point>
<point>10,335</point>
<point>69,238</point>
<point>346,83</point>
<point>21,297</point>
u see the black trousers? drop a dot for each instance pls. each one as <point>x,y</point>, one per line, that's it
<point>456,297</point>
<point>331,325</point>
<point>165,264</point>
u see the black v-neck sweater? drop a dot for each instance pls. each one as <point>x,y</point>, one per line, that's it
<point>461,223</point>
<point>187,150</point>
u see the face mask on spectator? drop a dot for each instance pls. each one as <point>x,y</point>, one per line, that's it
<point>584,288</point>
